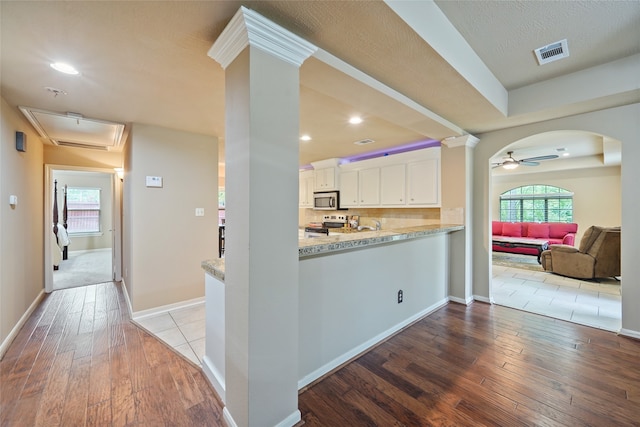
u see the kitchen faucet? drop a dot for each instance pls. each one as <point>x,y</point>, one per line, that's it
<point>368,227</point>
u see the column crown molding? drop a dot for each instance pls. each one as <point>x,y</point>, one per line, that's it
<point>458,141</point>
<point>249,28</point>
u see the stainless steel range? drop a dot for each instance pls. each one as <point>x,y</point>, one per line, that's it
<point>324,229</point>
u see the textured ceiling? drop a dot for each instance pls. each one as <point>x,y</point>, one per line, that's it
<point>146,62</point>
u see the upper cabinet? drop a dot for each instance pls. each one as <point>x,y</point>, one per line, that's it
<point>369,187</point>
<point>349,189</point>
<point>423,182</point>
<point>393,188</point>
<point>409,179</point>
<point>307,182</point>
<point>326,179</point>
<point>326,175</point>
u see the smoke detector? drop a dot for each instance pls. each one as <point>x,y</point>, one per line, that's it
<point>552,52</point>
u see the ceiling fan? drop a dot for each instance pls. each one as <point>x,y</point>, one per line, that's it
<point>511,163</point>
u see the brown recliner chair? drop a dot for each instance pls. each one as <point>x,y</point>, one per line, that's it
<point>597,256</point>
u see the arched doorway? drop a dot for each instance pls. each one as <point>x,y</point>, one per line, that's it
<point>588,165</point>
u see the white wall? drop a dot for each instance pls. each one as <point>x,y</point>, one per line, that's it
<point>619,123</point>
<point>21,227</point>
<point>349,300</point>
<point>597,193</point>
<point>103,181</point>
<point>164,242</point>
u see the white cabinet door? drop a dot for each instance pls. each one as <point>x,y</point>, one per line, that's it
<point>393,185</point>
<point>423,182</point>
<point>325,179</point>
<point>349,189</point>
<point>369,187</point>
<point>307,182</point>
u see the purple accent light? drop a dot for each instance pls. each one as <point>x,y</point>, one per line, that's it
<point>418,145</point>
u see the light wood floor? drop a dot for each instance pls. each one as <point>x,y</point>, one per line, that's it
<point>79,361</point>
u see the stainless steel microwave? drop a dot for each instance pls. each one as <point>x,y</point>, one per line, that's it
<point>326,200</point>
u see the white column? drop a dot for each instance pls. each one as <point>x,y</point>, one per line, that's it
<point>457,175</point>
<point>261,62</point>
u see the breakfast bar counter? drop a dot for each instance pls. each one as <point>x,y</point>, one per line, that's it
<point>344,241</point>
<point>355,289</point>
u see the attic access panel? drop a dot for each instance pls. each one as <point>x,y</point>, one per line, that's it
<point>71,129</point>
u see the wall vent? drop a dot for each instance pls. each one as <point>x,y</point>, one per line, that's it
<point>552,52</point>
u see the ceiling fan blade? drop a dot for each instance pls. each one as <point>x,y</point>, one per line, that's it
<point>533,159</point>
<point>527,163</point>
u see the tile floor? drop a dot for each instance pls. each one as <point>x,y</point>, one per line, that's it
<point>183,329</point>
<point>585,302</point>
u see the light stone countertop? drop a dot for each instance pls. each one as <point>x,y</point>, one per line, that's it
<point>345,241</point>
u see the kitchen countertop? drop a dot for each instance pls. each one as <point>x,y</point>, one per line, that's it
<point>345,241</point>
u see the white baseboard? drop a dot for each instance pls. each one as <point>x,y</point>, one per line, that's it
<point>214,376</point>
<point>344,358</point>
<point>14,332</point>
<point>463,301</point>
<point>138,315</point>
<point>126,297</point>
<point>483,299</point>
<point>630,333</point>
<point>228,418</point>
<point>290,421</point>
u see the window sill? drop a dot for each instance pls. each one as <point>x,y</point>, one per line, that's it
<point>94,234</point>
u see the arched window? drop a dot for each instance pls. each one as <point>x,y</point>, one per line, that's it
<point>536,203</point>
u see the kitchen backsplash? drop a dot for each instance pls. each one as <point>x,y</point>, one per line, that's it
<point>388,217</point>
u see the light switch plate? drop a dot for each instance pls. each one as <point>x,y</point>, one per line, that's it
<point>199,211</point>
<point>13,200</point>
<point>154,181</point>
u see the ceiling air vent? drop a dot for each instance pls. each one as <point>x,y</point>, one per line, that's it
<point>552,52</point>
<point>364,141</point>
<point>80,145</point>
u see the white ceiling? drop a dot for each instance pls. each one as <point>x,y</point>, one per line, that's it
<point>470,69</point>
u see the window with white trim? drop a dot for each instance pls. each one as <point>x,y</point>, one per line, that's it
<point>536,203</point>
<point>83,210</point>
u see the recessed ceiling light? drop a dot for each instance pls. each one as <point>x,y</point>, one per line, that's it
<point>65,68</point>
<point>305,138</point>
<point>355,120</point>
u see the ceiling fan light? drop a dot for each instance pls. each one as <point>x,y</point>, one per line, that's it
<point>510,165</point>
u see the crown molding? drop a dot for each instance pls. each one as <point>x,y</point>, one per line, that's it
<point>459,141</point>
<point>249,28</point>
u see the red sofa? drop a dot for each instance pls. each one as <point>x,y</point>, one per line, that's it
<point>553,232</point>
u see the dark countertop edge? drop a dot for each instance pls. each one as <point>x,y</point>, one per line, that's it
<point>330,244</point>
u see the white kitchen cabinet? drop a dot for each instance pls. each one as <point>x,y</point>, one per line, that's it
<point>307,183</point>
<point>326,179</point>
<point>349,189</point>
<point>369,187</point>
<point>393,185</point>
<point>423,182</point>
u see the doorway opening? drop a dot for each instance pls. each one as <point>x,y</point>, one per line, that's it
<point>519,281</point>
<point>84,241</point>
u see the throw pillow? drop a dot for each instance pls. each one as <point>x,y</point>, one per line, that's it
<point>512,229</point>
<point>538,231</point>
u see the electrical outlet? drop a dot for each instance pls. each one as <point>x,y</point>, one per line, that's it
<point>400,296</point>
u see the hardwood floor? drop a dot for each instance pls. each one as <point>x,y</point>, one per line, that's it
<point>79,361</point>
<point>485,365</point>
